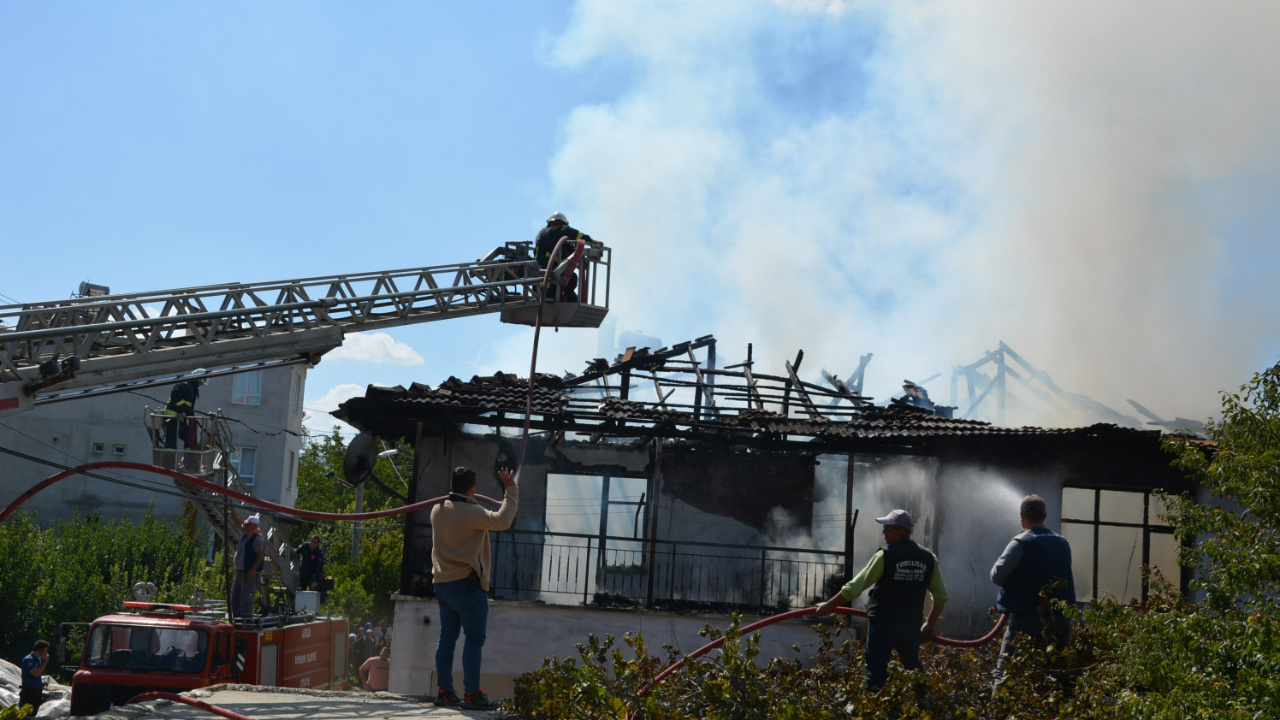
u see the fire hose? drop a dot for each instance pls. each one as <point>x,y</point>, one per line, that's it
<point>144,697</point>
<point>949,642</point>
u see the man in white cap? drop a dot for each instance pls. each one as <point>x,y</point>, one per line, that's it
<point>899,576</point>
<point>557,228</point>
<point>248,563</point>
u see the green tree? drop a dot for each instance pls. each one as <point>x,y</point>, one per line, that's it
<point>1236,547</point>
<point>79,569</point>
<point>362,589</point>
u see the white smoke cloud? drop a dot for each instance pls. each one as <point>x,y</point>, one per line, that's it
<point>1092,183</point>
<point>375,347</point>
<point>336,396</point>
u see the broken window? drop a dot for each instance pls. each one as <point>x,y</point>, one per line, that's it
<point>1113,533</point>
<point>596,525</point>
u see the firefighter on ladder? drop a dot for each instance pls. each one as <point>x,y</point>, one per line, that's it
<point>180,425</point>
<point>558,227</point>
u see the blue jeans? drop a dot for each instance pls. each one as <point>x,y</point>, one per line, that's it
<point>885,636</point>
<point>463,607</point>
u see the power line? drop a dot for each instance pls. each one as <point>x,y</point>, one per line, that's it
<point>158,486</point>
<point>139,484</point>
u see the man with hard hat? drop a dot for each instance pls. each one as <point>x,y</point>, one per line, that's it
<point>181,406</point>
<point>248,563</point>
<point>558,227</point>
<point>899,576</point>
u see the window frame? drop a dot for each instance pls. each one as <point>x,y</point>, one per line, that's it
<point>243,390</point>
<point>235,459</point>
<point>1149,526</point>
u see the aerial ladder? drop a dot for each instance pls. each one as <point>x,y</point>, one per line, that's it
<point>101,343</point>
<point>83,346</point>
<point>206,454</point>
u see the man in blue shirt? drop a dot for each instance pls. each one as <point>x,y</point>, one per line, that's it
<point>899,575</point>
<point>1037,559</point>
<point>33,666</point>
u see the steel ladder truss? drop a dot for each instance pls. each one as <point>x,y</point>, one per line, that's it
<point>206,453</point>
<point>126,340</point>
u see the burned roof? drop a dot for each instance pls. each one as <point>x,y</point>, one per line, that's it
<point>672,393</point>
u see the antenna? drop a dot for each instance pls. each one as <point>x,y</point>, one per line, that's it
<point>362,453</point>
<point>357,464</point>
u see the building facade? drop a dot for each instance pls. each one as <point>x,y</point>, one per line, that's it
<point>264,409</point>
<point>751,493</point>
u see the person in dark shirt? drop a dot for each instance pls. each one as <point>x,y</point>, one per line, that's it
<point>181,405</point>
<point>33,667</point>
<point>1035,560</point>
<point>899,576</point>
<point>557,228</point>
<point>310,564</point>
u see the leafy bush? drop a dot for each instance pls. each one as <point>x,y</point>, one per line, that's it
<point>15,712</point>
<point>604,682</point>
<point>82,568</point>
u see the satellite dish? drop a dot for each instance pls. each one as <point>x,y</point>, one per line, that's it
<point>362,453</point>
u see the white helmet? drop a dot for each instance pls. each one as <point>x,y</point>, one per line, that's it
<point>557,216</point>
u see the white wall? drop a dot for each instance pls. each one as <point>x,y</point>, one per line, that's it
<point>520,635</point>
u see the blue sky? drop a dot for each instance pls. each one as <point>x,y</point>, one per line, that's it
<point>1095,185</point>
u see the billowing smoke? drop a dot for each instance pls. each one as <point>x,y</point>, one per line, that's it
<point>1093,183</point>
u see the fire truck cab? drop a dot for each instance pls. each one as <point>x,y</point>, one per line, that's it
<point>175,648</point>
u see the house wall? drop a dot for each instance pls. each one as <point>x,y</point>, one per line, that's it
<point>521,634</point>
<point>965,499</point>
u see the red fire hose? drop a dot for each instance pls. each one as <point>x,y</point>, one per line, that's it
<point>247,499</point>
<point>950,642</point>
<point>144,697</point>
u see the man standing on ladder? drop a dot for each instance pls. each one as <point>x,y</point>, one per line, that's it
<point>558,227</point>
<point>181,406</point>
<point>248,562</point>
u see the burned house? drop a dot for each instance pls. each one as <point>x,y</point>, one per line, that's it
<point>663,485</point>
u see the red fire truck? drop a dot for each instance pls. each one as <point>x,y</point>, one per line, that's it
<point>174,648</point>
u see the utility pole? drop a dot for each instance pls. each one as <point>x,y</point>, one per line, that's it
<point>355,526</point>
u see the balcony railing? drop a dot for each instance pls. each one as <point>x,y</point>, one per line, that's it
<point>578,569</point>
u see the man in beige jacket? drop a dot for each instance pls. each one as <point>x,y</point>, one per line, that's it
<point>460,561</point>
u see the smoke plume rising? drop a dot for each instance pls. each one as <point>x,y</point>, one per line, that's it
<point>1094,184</point>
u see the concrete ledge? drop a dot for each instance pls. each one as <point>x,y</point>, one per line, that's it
<point>521,634</point>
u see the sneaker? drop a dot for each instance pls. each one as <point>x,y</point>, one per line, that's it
<point>478,701</point>
<point>447,698</point>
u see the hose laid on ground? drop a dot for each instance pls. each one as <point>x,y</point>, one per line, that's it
<point>950,642</point>
<point>229,715</point>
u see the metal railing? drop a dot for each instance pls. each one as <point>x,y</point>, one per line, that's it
<point>580,569</point>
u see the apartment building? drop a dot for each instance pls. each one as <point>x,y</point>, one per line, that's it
<point>263,407</point>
